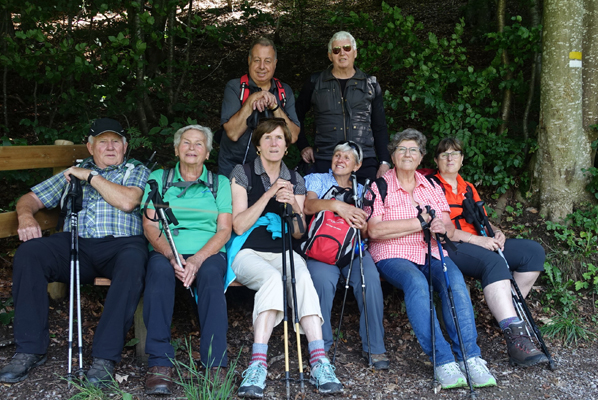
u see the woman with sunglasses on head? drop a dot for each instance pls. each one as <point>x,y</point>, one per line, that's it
<point>346,160</point>
<point>398,247</point>
<point>259,190</point>
<point>347,105</point>
<point>476,256</point>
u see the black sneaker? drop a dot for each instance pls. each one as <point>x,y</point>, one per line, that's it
<point>520,347</point>
<point>18,368</point>
<point>101,372</point>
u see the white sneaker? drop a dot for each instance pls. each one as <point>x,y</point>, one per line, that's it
<point>450,376</point>
<point>478,372</point>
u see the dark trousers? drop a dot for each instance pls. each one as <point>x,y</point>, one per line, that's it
<point>158,308</point>
<point>40,261</point>
<point>523,255</point>
<point>369,169</point>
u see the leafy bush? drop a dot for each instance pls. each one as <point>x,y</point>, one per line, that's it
<point>445,94</point>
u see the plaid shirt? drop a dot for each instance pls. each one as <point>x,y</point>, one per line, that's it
<point>398,206</point>
<point>98,219</point>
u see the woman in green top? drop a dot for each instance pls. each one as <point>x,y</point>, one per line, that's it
<point>205,223</point>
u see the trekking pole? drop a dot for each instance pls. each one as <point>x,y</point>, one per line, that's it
<point>452,304</point>
<point>359,245</point>
<point>519,302</point>
<point>436,387</point>
<point>165,217</point>
<point>287,376</point>
<point>523,310</point>
<point>75,195</point>
<point>289,219</point>
<point>340,322</point>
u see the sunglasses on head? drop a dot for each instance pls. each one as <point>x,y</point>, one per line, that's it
<point>352,145</point>
<point>337,49</point>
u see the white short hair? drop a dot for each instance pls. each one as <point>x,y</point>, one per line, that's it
<point>207,133</point>
<point>341,35</point>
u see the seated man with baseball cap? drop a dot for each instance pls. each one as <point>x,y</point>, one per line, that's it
<point>111,245</point>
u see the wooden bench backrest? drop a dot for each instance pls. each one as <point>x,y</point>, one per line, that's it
<point>32,157</point>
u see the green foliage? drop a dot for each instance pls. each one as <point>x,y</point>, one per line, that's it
<point>205,384</point>
<point>592,186</point>
<point>569,328</point>
<point>579,232</point>
<point>77,71</point>
<point>590,278</point>
<point>89,392</point>
<point>7,312</point>
<point>558,295</point>
<point>444,93</point>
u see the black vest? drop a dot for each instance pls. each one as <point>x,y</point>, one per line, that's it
<point>343,116</point>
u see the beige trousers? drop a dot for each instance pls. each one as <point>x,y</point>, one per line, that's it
<point>263,272</point>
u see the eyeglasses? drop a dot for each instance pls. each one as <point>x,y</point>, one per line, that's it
<point>279,121</point>
<point>446,154</point>
<point>337,49</point>
<point>352,145</point>
<point>414,151</point>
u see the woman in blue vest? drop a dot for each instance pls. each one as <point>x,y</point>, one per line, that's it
<point>346,160</point>
<point>204,212</point>
<point>259,190</point>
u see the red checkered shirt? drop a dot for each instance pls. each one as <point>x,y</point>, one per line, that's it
<point>398,206</point>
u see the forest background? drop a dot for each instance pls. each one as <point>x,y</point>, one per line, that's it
<point>516,80</point>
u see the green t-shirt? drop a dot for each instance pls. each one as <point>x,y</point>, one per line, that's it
<point>197,211</point>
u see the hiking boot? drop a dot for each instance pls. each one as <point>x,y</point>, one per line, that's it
<point>100,373</point>
<point>478,372</point>
<point>379,361</point>
<point>254,381</point>
<point>324,378</point>
<point>450,376</point>
<point>158,380</point>
<point>520,347</point>
<point>18,368</point>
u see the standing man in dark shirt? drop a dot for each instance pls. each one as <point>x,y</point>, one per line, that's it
<point>250,98</point>
<point>347,105</point>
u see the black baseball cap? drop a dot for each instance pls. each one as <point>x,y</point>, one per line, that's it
<point>102,125</point>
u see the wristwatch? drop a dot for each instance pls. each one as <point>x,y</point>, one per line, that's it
<point>386,163</point>
<point>91,175</point>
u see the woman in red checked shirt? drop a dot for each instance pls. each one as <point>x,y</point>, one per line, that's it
<point>400,252</point>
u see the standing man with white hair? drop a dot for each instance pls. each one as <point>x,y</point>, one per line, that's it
<point>347,105</point>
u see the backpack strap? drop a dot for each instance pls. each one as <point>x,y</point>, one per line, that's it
<point>167,178</point>
<point>382,188</point>
<point>281,92</point>
<point>244,90</point>
<point>249,174</point>
<point>213,183</point>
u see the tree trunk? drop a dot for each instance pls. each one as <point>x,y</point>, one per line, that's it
<point>140,75</point>
<point>507,94</point>
<point>535,17</point>
<point>563,146</point>
<point>590,69</point>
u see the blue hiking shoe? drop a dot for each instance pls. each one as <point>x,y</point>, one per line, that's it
<point>324,378</point>
<point>254,381</point>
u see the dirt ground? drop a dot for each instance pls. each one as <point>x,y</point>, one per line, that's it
<point>408,378</point>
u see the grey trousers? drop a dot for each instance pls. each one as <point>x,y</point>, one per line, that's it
<point>326,277</point>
